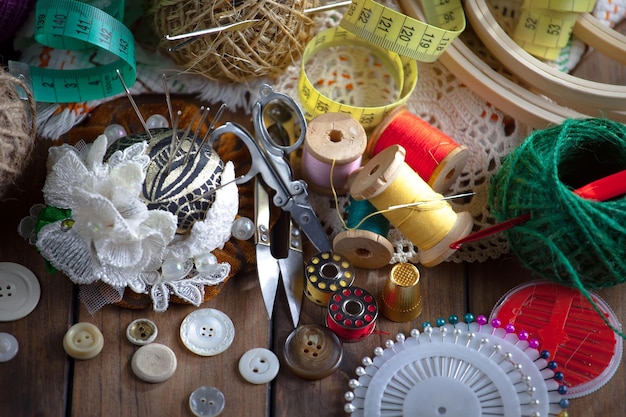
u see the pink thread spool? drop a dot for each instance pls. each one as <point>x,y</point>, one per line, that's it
<point>332,138</point>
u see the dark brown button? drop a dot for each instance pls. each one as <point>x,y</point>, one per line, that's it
<point>312,351</point>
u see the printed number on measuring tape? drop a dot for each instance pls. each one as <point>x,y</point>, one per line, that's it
<point>544,28</point>
<point>70,24</point>
<point>404,35</point>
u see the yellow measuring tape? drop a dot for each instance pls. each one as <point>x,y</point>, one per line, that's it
<point>71,24</point>
<point>395,39</point>
<point>545,27</point>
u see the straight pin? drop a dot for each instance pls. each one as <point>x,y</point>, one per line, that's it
<point>185,134</point>
<point>132,103</point>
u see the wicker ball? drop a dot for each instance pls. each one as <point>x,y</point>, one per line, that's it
<point>17,129</point>
<point>263,49</point>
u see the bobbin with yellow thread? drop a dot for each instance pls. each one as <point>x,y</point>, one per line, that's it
<point>334,145</point>
<point>430,224</point>
<point>434,155</point>
<point>327,272</point>
<point>352,314</point>
<point>401,298</point>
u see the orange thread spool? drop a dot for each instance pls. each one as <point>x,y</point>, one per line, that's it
<point>435,156</point>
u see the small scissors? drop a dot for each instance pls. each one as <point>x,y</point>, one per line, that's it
<point>268,155</point>
<point>268,160</point>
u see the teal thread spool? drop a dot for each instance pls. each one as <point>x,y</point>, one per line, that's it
<point>568,239</point>
<point>365,241</point>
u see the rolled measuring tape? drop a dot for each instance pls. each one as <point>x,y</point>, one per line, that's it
<point>396,40</point>
<point>71,24</point>
<point>544,28</point>
<point>326,273</point>
<point>352,314</point>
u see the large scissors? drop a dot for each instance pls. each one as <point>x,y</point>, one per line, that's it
<point>268,160</point>
<point>268,154</point>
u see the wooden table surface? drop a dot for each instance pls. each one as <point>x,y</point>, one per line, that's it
<point>43,381</point>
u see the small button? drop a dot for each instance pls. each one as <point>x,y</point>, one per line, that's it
<point>19,291</point>
<point>259,366</point>
<point>206,402</point>
<point>207,332</point>
<point>83,341</point>
<point>313,351</point>
<point>141,331</point>
<point>154,363</point>
<point>8,347</point>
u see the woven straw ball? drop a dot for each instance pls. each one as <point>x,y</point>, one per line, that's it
<point>263,49</point>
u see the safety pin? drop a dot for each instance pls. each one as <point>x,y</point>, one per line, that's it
<point>241,25</point>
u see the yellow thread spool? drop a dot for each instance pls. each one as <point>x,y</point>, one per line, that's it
<point>386,180</point>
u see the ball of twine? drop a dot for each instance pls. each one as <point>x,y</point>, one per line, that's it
<point>17,129</point>
<point>263,49</point>
<point>568,239</point>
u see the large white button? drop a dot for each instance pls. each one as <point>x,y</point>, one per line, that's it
<point>154,363</point>
<point>207,332</point>
<point>8,347</point>
<point>206,402</point>
<point>141,331</point>
<point>83,341</point>
<point>19,291</point>
<point>259,366</point>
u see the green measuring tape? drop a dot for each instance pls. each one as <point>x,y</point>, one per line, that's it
<point>71,24</point>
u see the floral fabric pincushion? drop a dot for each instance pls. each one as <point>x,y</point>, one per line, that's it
<point>99,229</point>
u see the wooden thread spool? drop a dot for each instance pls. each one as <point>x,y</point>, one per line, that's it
<point>365,245</point>
<point>386,180</point>
<point>334,142</point>
<point>435,156</point>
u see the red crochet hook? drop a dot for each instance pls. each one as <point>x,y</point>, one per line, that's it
<point>599,190</point>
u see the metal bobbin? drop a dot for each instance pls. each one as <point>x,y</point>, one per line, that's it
<point>326,273</point>
<point>352,314</point>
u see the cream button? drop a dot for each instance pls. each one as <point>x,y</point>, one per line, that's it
<point>207,332</point>
<point>206,402</point>
<point>259,366</point>
<point>83,341</point>
<point>8,347</point>
<point>19,291</point>
<point>141,331</point>
<point>154,363</point>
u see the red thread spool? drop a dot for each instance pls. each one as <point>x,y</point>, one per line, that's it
<point>435,156</point>
<point>352,314</point>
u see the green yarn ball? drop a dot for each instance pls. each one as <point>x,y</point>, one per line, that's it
<point>568,239</point>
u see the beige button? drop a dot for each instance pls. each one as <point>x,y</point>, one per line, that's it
<point>154,363</point>
<point>83,341</point>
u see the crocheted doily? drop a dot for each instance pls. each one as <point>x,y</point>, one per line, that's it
<point>439,98</point>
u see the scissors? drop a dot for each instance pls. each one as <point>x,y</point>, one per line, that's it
<point>271,168</point>
<point>268,161</point>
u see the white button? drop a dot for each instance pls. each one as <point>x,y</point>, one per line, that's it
<point>206,402</point>
<point>8,347</point>
<point>83,341</point>
<point>19,291</point>
<point>259,366</point>
<point>141,331</point>
<point>154,363</point>
<point>207,332</point>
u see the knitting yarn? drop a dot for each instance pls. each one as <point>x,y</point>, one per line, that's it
<point>12,15</point>
<point>263,49</point>
<point>568,239</point>
<point>17,129</point>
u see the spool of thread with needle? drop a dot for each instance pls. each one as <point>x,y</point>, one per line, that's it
<point>435,156</point>
<point>411,205</point>
<point>333,149</point>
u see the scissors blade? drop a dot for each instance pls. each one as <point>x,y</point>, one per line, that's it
<point>267,266</point>
<point>304,215</point>
<point>292,271</point>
